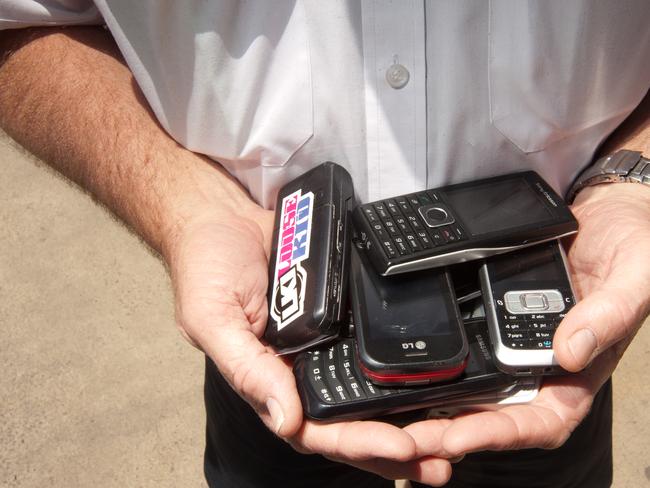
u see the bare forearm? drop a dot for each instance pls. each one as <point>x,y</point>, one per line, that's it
<point>67,96</point>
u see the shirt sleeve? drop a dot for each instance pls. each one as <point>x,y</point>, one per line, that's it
<point>15,14</point>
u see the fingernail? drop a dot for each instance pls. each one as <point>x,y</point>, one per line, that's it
<point>582,345</point>
<point>457,459</point>
<point>275,411</point>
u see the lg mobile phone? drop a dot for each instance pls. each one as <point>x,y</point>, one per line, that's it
<point>408,327</point>
<point>309,259</point>
<point>332,386</point>
<point>526,294</point>
<point>462,222</point>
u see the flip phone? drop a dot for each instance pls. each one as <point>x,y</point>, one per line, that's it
<point>309,259</point>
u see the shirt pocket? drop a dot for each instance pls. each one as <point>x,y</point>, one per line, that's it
<point>253,102</point>
<point>557,69</point>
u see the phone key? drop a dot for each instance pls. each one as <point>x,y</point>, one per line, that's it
<point>402,247</point>
<point>517,343</point>
<point>317,381</point>
<point>389,248</point>
<point>370,215</point>
<point>403,204</point>
<point>437,237</point>
<point>509,317</point>
<point>541,334</point>
<point>415,222</point>
<point>355,387</point>
<point>391,227</point>
<point>371,389</point>
<point>380,208</point>
<point>448,234</point>
<point>424,199</point>
<point>541,344</point>
<point>402,223</point>
<point>458,230</point>
<point>538,316</point>
<point>514,326</point>
<point>424,240</point>
<point>433,195</point>
<point>346,369</point>
<point>393,208</point>
<point>344,349</point>
<point>516,336</point>
<point>379,231</point>
<point>541,325</point>
<point>414,201</point>
<point>413,242</point>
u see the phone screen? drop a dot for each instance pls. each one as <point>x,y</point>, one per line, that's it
<point>498,205</point>
<point>537,266</point>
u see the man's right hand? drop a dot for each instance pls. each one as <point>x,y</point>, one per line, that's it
<point>215,240</point>
<point>219,267</point>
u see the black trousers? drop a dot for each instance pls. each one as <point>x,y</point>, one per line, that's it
<point>242,453</point>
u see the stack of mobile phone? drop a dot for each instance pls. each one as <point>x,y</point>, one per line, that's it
<point>409,347</point>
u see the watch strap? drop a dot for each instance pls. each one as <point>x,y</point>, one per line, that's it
<point>622,166</point>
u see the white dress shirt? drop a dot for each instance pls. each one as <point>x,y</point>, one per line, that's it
<point>405,94</point>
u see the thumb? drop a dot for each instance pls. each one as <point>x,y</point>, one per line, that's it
<point>609,314</point>
<point>264,380</point>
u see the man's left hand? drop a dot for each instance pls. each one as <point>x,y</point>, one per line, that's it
<point>611,276</point>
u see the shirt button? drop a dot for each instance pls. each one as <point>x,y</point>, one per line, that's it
<point>397,76</point>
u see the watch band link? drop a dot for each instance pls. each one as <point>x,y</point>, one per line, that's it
<point>622,166</point>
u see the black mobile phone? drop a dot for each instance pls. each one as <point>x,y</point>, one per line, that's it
<point>408,327</point>
<point>461,222</point>
<point>332,386</point>
<point>526,294</point>
<point>309,259</point>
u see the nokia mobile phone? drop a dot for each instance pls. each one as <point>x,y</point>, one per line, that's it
<point>309,259</point>
<point>332,386</point>
<point>408,327</point>
<point>462,222</point>
<point>526,294</point>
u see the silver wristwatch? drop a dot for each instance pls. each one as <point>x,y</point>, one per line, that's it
<point>622,166</point>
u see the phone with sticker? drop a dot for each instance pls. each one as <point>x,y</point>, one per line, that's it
<point>309,259</point>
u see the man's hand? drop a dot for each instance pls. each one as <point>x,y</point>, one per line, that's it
<point>68,96</point>
<point>611,276</point>
<point>219,267</point>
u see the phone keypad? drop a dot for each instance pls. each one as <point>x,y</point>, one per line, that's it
<point>531,330</point>
<point>334,375</point>
<point>402,231</point>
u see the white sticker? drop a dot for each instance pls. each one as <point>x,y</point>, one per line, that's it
<point>290,279</point>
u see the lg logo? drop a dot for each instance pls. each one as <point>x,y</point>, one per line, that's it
<point>414,345</point>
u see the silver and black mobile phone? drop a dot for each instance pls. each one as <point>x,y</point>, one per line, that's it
<point>461,222</point>
<point>526,294</point>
